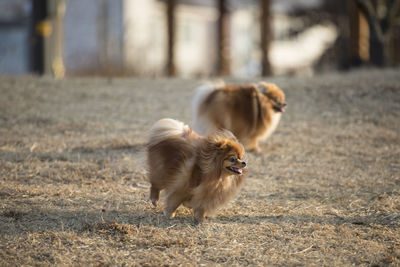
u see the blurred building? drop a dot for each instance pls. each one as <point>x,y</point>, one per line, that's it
<point>14,35</point>
<point>130,37</point>
<point>31,33</point>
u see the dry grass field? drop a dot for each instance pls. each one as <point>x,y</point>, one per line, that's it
<point>325,191</point>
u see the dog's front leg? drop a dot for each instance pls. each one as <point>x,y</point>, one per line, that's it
<point>154,195</point>
<point>173,202</point>
<point>199,214</point>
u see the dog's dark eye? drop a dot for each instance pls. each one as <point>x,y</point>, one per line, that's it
<point>232,159</point>
<point>276,100</point>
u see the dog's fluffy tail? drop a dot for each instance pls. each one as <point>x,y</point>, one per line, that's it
<point>164,129</point>
<point>199,123</point>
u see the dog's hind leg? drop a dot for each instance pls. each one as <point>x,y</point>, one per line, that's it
<point>251,144</point>
<point>173,202</point>
<point>254,146</point>
<point>154,195</point>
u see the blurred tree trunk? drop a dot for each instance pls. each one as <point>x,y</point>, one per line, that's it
<point>39,31</point>
<point>48,37</point>
<point>58,13</point>
<point>171,38</point>
<point>223,67</point>
<point>359,36</point>
<point>266,36</point>
<point>354,23</point>
<point>382,16</point>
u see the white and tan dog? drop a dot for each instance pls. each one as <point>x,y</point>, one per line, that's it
<point>251,112</point>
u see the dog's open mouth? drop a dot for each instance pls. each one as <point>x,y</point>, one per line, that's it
<point>235,170</point>
<point>279,108</point>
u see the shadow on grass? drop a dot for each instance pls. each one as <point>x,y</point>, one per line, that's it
<point>108,148</point>
<point>14,222</point>
<point>75,155</point>
<point>383,219</point>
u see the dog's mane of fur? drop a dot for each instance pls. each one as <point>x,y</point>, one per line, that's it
<point>191,165</point>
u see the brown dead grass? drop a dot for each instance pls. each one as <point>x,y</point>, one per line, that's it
<point>325,191</point>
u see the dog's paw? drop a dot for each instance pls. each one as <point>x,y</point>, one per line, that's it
<point>254,149</point>
<point>199,216</point>
<point>169,214</point>
<point>210,216</point>
<point>199,220</point>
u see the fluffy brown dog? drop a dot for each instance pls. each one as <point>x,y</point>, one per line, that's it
<point>251,112</point>
<point>201,173</point>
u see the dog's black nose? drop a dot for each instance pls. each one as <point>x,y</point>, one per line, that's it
<point>244,164</point>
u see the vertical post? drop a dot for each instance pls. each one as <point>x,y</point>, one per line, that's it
<point>223,67</point>
<point>39,30</point>
<point>265,36</point>
<point>171,37</point>
<point>57,66</point>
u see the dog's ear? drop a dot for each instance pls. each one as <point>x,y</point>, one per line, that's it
<point>221,145</point>
<point>262,88</point>
<point>213,148</point>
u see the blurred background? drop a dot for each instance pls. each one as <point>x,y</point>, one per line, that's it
<point>196,38</point>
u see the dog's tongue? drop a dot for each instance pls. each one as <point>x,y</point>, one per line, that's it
<point>239,171</point>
